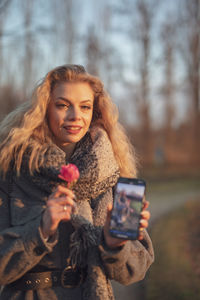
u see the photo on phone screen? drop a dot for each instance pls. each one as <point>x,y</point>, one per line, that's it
<point>125,216</point>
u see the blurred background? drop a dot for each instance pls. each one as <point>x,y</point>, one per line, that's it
<point>147,53</point>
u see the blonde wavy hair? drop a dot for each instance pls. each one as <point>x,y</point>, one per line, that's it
<point>26,127</point>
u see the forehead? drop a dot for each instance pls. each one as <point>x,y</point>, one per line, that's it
<point>73,91</point>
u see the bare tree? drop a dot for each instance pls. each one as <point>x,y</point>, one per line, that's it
<point>190,51</point>
<point>145,11</point>
<point>69,26</point>
<point>107,49</point>
<point>93,52</point>
<point>139,19</point>
<point>65,28</point>
<point>7,91</point>
<point>168,41</point>
<point>4,4</point>
<point>1,44</point>
<point>28,45</point>
<point>103,57</point>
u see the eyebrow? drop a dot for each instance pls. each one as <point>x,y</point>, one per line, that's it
<point>67,100</point>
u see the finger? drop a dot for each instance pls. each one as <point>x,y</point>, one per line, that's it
<point>143,223</point>
<point>109,209</point>
<point>141,234</point>
<point>145,214</point>
<point>62,190</point>
<point>107,222</point>
<point>66,208</point>
<point>65,216</point>
<point>140,237</point>
<point>55,215</point>
<point>145,205</point>
<point>61,201</point>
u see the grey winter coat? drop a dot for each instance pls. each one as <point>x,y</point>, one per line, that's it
<point>23,248</point>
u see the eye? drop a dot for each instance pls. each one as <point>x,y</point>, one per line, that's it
<point>86,107</point>
<point>62,105</point>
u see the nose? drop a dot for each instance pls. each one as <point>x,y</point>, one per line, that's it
<point>74,113</point>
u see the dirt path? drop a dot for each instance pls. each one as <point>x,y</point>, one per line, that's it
<point>169,202</point>
<point>160,204</point>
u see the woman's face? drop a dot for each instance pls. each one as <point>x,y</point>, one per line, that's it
<point>70,112</point>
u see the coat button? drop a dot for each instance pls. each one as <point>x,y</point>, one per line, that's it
<point>38,251</point>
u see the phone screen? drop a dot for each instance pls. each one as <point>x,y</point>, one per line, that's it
<point>125,217</point>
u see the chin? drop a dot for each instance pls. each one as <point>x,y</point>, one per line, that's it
<point>74,139</point>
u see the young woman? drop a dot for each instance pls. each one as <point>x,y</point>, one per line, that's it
<point>54,241</point>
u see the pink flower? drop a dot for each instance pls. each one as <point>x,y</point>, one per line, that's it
<point>69,173</point>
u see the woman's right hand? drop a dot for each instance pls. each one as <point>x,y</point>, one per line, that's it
<point>60,206</point>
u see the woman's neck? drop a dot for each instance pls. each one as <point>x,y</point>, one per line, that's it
<point>68,149</point>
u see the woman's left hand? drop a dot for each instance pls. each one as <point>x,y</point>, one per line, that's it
<point>112,242</point>
<point>144,221</point>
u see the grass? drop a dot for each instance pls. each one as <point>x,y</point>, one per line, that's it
<point>175,275</point>
<point>174,184</point>
<point>164,179</point>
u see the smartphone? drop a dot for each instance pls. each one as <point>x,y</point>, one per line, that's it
<point>128,201</point>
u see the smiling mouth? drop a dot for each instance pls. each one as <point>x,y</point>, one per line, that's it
<point>73,129</point>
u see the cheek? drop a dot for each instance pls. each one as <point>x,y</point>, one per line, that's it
<point>89,118</point>
<point>88,121</point>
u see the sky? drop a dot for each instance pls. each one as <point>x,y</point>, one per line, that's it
<point>90,13</point>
